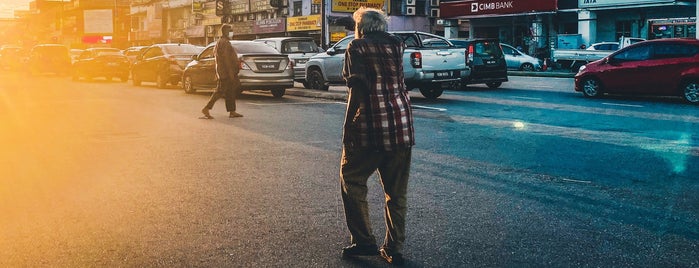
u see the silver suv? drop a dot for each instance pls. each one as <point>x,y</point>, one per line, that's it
<point>299,50</point>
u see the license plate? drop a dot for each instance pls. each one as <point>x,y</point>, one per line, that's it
<point>111,64</point>
<point>490,62</point>
<point>267,66</point>
<point>442,74</point>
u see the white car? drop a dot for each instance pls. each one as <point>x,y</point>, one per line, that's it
<point>610,46</point>
<point>518,60</point>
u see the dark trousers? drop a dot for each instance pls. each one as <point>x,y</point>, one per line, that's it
<point>224,88</point>
<point>393,168</point>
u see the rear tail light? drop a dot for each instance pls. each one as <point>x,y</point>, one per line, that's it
<point>469,55</point>
<point>416,59</point>
<point>290,65</point>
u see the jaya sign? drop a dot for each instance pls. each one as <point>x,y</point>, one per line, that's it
<point>472,8</point>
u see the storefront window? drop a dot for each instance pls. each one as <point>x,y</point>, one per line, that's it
<point>623,28</point>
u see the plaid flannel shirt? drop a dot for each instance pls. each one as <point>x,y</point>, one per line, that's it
<point>378,113</point>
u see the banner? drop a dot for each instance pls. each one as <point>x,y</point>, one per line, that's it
<point>352,5</point>
<point>304,23</point>
<point>475,8</point>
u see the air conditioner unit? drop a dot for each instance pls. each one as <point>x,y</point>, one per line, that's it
<point>434,3</point>
<point>434,12</point>
<point>410,2</point>
<point>285,12</point>
<point>410,11</point>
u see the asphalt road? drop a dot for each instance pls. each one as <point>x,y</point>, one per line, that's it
<point>96,174</point>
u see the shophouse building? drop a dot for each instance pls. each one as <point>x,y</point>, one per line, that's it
<point>536,25</point>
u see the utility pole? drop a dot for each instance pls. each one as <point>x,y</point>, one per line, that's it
<point>323,24</point>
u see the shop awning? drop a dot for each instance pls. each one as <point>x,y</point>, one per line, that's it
<point>488,8</point>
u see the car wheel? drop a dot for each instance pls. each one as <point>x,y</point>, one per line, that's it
<point>278,92</point>
<point>432,91</point>
<point>124,78</point>
<point>306,85</point>
<point>691,91</point>
<point>160,81</point>
<point>591,87</point>
<point>493,84</point>
<point>187,85</point>
<point>316,81</point>
<point>528,67</point>
<point>135,79</point>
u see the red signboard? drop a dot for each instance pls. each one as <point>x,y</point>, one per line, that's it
<point>476,8</point>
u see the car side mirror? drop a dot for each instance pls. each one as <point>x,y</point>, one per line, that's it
<point>331,51</point>
<point>611,61</point>
<point>195,57</point>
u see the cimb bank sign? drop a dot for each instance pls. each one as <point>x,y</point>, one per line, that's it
<point>474,8</point>
<point>477,7</point>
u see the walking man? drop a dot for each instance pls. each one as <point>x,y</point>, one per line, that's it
<point>227,68</point>
<point>377,135</point>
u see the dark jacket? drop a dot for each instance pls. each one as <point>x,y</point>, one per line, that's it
<point>227,62</point>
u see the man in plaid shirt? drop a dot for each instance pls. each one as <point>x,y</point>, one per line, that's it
<point>377,135</point>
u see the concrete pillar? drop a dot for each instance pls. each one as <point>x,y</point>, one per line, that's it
<point>587,26</point>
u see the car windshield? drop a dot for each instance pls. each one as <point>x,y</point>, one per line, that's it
<point>299,46</point>
<point>52,49</point>
<point>487,48</point>
<point>252,47</point>
<point>181,49</point>
<point>108,53</point>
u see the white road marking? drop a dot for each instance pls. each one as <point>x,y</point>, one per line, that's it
<point>665,146</point>
<point>295,103</point>
<point>429,108</point>
<point>584,109</point>
<point>576,181</point>
<point>526,98</point>
<point>623,105</point>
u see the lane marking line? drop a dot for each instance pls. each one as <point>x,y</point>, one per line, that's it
<point>429,108</point>
<point>623,105</point>
<point>295,103</point>
<point>526,98</point>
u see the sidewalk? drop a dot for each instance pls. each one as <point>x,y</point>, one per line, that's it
<point>339,93</point>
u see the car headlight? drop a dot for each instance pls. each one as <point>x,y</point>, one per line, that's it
<point>582,68</point>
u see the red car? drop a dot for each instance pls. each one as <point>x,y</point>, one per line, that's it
<point>666,67</point>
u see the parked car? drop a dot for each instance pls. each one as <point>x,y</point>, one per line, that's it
<point>261,67</point>
<point>299,50</point>
<point>656,67</point>
<point>162,64</point>
<point>132,52</point>
<point>610,46</point>
<point>518,60</point>
<point>487,62</point>
<point>10,57</point>
<point>101,62</point>
<point>431,69</point>
<point>49,58</point>
<point>74,54</point>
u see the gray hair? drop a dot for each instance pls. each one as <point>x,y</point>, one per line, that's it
<point>369,20</point>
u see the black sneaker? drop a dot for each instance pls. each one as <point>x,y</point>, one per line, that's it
<point>360,250</point>
<point>392,258</point>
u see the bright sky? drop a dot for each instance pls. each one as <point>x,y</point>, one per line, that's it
<point>7,7</point>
